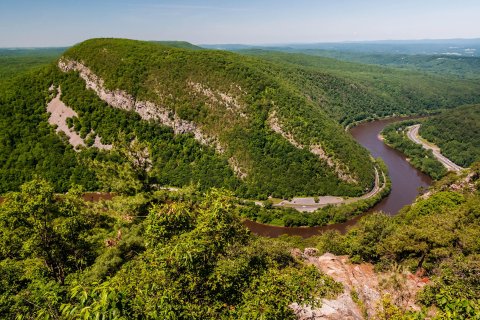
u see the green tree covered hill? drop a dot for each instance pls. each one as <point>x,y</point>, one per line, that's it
<point>274,119</point>
<point>233,98</point>
<point>457,133</point>
<point>351,91</point>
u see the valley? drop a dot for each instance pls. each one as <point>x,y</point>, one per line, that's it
<point>131,173</point>
<point>406,182</point>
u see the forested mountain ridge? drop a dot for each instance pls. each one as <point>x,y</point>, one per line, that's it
<point>263,125</point>
<point>464,67</point>
<point>352,92</point>
<point>273,137</point>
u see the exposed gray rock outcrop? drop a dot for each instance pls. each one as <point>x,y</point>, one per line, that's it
<point>230,102</point>
<point>315,149</point>
<point>59,113</point>
<point>146,109</point>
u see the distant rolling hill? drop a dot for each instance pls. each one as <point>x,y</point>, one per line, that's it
<point>351,91</point>
<point>16,60</point>
<point>460,66</point>
<point>458,57</point>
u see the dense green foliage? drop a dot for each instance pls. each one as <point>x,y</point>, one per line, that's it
<point>190,258</point>
<point>457,133</point>
<point>440,64</point>
<point>438,234</point>
<point>186,255</point>
<point>422,159</point>
<point>28,144</point>
<point>177,160</point>
<point>16,61</point>
<point>329,214</point>
<point>352,92</point>
<point>171,77</point>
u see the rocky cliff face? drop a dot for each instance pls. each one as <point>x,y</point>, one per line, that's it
<point>317,150</point>
<point>146,109</point>
<point>363,288</point>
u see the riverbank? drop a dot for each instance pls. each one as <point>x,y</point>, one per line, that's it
<point>310,204</point>
<point>395,135</point>
<point>317,214</point>
<point>405,179</point>
<point>413,135</point>
<point>351,125</point>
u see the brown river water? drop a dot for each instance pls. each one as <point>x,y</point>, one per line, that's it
<point>406,183</point>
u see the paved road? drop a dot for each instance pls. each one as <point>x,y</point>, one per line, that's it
<point>413,135</point>
<point>309,204</point>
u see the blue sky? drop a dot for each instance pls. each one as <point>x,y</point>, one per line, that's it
<point>28,23</point>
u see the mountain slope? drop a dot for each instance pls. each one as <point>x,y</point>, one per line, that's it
<point>276,140</point>
<point>457,133</point>
<point>30,147</point>
<point>261,127</point>
<point>351,92</point>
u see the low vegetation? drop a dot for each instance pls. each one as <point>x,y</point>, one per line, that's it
<point>436,236</point>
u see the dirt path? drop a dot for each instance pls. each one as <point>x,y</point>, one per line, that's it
<point>308,204</point>
<point>412,134</point>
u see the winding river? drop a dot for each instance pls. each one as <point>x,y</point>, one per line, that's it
<point>406,183</point>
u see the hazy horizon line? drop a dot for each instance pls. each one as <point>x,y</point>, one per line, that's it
<point>255,44</point>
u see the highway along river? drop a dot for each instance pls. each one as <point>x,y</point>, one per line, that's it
<point>406,183</point>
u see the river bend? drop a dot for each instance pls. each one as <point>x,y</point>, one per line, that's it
<point>407,182</point>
